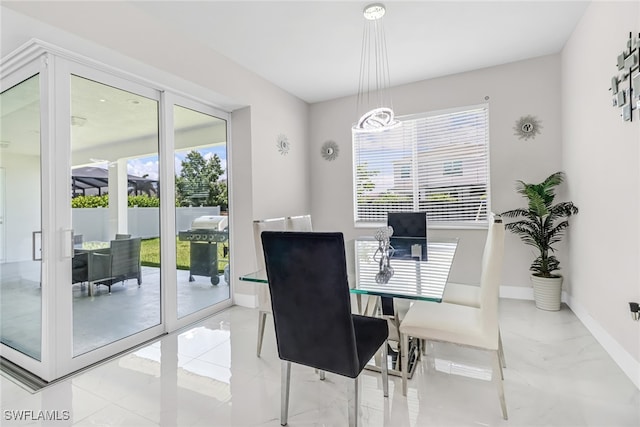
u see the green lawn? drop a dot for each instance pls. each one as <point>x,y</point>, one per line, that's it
<point>150,253</point>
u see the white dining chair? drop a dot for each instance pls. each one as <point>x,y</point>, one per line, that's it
<point>299,223</point>
<point>469,295</point>
<point>475,327</point>
<point>264,298</point>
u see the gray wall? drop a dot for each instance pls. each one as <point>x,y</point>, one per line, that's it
<point>529,87</point>
<point>602,156</point>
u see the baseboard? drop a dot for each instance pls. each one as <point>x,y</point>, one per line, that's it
<point>516,292</point>
<point>629,365</point>
<point>245,300</point>
<point>620,356</point>
<point>523,293</point>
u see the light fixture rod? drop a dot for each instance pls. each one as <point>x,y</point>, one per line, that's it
<point>373,103</point>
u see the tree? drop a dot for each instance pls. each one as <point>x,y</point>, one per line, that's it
<point>364,182</point>
<point>199,183</point>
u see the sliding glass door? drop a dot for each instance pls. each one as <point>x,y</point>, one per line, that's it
<point>202,210</point>
<point>114,212</point>
<point>21,219</point>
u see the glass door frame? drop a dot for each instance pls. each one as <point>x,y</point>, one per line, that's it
<point>25,69</point>
<point>55,66</point>
<point>168,226</point>
<point>66,361</point>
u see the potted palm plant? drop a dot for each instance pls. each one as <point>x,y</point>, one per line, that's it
<point>541,225</point>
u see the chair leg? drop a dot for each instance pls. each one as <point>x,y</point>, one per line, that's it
<point>498,379</point>
<point>405,362</point>
<point>401,348</point>
<point>285,373</point>
<point>385,369</point>
<point>262,320</point>
<point>501,351</point>
<point>354,402</point>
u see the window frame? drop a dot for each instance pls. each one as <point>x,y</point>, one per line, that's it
<point>457,169</point>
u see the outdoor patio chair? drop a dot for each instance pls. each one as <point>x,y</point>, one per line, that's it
<point>80,268</point>
<point>123,261</point>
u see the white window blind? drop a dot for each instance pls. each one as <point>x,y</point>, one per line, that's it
<point>436,162</point>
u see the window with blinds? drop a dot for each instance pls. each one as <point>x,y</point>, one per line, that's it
<point>436,162</point>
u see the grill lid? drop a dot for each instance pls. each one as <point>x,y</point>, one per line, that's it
<point>210,222</point>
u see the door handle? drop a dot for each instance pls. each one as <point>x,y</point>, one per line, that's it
<point>70,250</point>
<point>33,246</point>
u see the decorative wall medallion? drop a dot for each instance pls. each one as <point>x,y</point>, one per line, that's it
<point>625,85</point>
<point>330,150</point>
<point>283,144</point>
<point>527,127</point>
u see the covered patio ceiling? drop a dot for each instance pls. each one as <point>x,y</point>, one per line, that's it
<point>86,178</point>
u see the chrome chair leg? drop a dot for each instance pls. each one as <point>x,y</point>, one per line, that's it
<point>501,351</point>
<point>497,377</point>
<point>285,373</point>
<point>321,374</point>
<point>384,367</point>
<point>262,320</point>
<point>354,402</point>
<point>405,363</point>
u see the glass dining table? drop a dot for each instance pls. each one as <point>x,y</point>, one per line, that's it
<point>411,269</point>
<point>94,269</point>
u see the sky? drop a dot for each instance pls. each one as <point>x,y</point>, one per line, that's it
<point>149,165</point>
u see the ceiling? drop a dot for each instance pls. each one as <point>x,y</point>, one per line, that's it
<point>312,48</point>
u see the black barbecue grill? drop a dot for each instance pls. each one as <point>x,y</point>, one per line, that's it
<point>205,235</point>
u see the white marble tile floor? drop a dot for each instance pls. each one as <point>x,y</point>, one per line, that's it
<point>208,375</point>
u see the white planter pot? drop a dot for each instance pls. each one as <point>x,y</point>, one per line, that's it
<point>546,292</point>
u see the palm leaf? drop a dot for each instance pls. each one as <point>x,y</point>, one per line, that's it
<point>542,223</point>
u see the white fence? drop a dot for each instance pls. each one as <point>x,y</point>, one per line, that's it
<point>93,223</point>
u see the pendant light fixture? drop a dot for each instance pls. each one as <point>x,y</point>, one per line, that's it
<point>374,107</point>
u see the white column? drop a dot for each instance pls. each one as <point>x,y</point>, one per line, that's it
<point>118,184</point>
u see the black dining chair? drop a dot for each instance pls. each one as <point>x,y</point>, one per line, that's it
<point>404,224</point>
<point>408,224</point>
<point>307,274</point>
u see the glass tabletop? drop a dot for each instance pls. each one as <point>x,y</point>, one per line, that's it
<point>91,246</point>
<point>420,268</point>
<point>259,276</point>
